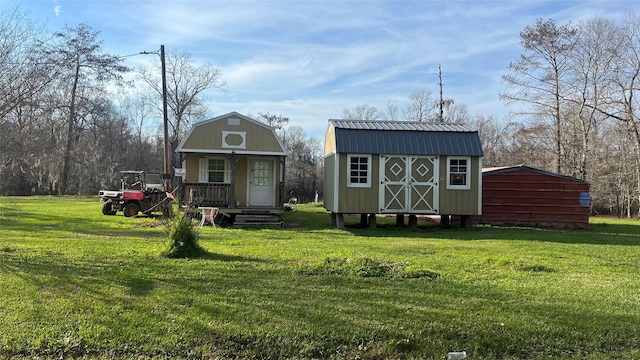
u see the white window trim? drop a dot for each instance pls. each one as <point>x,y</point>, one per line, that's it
<point>467,186</point>
<point>204,169</point>
<point>370,165</point>
<point>242,145</point>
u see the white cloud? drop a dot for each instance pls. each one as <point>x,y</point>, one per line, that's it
<point>309,60</point>
<point>57,9</point>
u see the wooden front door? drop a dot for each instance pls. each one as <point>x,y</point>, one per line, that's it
<point>408,184</point>
<point>262,190</point>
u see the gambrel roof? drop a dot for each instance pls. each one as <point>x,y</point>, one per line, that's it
<point>232,133</point>
<point>405,137</point>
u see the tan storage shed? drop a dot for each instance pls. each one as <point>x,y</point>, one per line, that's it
<point>403,168</point>
<point>234,163</point>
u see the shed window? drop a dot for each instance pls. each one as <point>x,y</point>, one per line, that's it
<point>458,173</point>
<point>359,170</point>
<point>214,170</point>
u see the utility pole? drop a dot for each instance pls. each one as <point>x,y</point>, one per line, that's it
<point>441,102</point>
<point>167,162</point>
<point>166,176</point>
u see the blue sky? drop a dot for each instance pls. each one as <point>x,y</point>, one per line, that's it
<point>309,60</point>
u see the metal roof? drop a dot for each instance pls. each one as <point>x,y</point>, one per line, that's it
<point>508,169</point>
<point>404,137</point>
<point>399,125</point>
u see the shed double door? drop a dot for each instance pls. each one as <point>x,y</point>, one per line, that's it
<point>408,184</point>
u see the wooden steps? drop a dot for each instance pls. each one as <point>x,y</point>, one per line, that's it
<point>258,220</point>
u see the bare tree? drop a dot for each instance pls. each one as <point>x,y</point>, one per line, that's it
<point>25,68</point>
<point>591,62</point>
<point>138,111</point>
<point>622,103</point>
<point>442,103</point>
<point>277,122</point>
<point>392,111</point>
<point>186,84</point>
<point>536,77</point>
<point>494,136</point>
<point>25,71</point>
<point>303,161</point>
<point>420,107</point>
<point>457,113</point>
<point>362,112</point>
<point>86,69</point>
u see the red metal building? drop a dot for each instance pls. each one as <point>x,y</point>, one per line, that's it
<point>526,196</point>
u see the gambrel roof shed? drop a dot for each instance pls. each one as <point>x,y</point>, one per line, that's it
<point>403,137</point>
<point>401,167</point>
<point>233,161</point>
<point>232,133</point>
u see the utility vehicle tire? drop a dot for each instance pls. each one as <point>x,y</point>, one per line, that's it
<point>130,209</point>
<point>108,208</point>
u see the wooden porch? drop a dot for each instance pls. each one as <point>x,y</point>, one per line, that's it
<point>197,195</point>
<point>207,194</point>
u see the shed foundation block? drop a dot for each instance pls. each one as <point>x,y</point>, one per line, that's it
<point>445,221</point>
<point>413,221</point>
<point>372,221</point>
<point>339,218</point>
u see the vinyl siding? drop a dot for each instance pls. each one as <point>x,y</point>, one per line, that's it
<point>356,200</point>
<point>329,183</point>
<point>460,202</point>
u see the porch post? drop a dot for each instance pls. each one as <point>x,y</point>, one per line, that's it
<point>232,196</point>
<point>283,176</point>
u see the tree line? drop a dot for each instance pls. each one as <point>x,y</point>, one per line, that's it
<point>577,88</point>
<point>578,85</point>
<point>70,120</point>
<point>72,116</point>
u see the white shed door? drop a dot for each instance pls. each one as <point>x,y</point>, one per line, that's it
<point>408,184</point>
<point>261,183</point>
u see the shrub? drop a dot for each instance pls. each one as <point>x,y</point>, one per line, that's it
<point>183,239</point>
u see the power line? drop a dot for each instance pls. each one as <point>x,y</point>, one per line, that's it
<point>140,53</point>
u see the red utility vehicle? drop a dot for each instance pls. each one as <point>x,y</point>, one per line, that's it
<point>138,192</point>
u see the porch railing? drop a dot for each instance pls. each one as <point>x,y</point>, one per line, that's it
<point>207,194</point>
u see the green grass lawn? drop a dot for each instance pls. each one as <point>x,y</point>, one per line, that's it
<point>77,284</point>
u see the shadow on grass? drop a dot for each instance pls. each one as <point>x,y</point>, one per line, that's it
<point>139,286</point>
<point>311,217</point>
<point>276,309</point>
<point>600,233</point>
<point>206,255</point>
<point>33,222</point>
<point>98,276</point>
<point>597,234</point>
